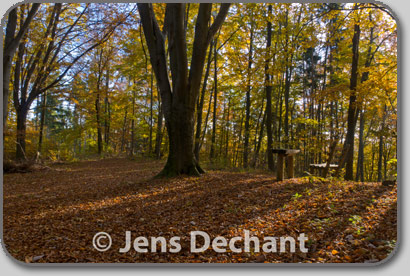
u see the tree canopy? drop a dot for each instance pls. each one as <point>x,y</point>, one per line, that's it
<point>85,81</point>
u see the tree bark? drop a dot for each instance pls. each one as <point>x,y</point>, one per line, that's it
<point>227,131</point>
<point>98,119</point>
<point>107,109</point>
<point>286,116</point>
<point>158,137</point>
<point>365,77</point>
<point>180,133</point>
<point>151,115</point>
<point>288,75</point>
<point>351,117</point>
<point>268,89</point>
<point>360,156</point>
<point>381,146</point>
<point>132,145</point>
<point>248,102</point>
<point>380,159</point>
<point>213,137</point>
<point>21,134</point>
<point>200,105</point>
<point>98,104</point>
<point>42,121</point>
<point>206,120</point>
<point>124,127</point>
<point>258,146</point>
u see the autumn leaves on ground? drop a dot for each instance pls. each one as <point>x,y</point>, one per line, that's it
<point>51,215</point>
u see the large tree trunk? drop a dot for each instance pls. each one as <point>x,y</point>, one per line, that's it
<point>179,100</point>
<point>180,132</point>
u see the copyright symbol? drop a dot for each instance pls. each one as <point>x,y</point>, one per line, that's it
<point>102,246</point>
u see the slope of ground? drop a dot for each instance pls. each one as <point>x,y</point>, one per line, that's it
<point>52,215</point>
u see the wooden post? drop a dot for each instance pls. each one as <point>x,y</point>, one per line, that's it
<point>290,166</point>
<point>322,172</point>
<point>282,153</point>
<point>279,172</point>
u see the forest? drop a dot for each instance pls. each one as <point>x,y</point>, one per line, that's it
<point>193,97</point>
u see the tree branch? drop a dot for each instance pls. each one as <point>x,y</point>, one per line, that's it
<point>156,46</point>
<point>177,47</point>
<point>220,18</point>
<point>16,40</point>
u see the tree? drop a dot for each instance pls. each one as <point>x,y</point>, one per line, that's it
<point>248,99</point>
<point>352,118</point>
<point>49,61</point>
<point>298,85</point>
<point>215,110</point>
<point>179,99</point>
<point>268,91</point>
<point>200,105</point>
<point>11,43</point>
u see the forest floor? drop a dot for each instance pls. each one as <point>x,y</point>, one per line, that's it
<point>52,215</point>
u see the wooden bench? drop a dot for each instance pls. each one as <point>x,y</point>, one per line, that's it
<point>321,168</point>
<point>282,153</point>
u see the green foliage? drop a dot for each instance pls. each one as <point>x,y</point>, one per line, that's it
<point>356,221</point>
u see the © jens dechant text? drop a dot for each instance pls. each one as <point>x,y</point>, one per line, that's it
<point>201,241</point>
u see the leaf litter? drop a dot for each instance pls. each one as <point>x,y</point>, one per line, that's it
<point>51,216</point>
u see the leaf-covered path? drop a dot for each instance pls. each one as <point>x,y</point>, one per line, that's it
<point>52,215</point>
